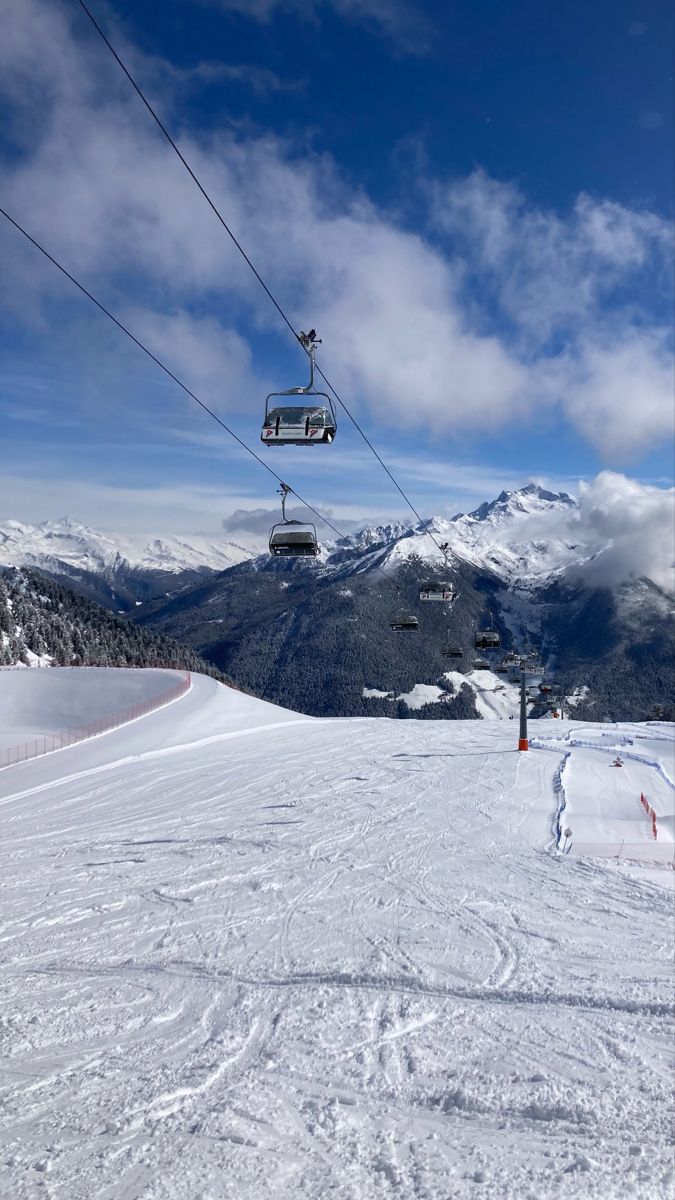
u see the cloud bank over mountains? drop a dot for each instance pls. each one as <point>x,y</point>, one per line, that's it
<point>635,522</point>
<point>496,312</point>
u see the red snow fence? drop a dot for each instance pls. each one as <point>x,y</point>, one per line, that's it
<point>650,813</point>
<point>68,737</point>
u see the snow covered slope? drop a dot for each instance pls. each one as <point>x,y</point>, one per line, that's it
<point>35,703</point>
<point>496,698</point>
<point>247,954</point>
<point>68,541</point>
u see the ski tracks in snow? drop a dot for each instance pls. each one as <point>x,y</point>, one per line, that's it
<point>338,962</point>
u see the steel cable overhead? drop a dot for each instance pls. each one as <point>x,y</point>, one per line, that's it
<point>254,269</point>
<point>141,345</point>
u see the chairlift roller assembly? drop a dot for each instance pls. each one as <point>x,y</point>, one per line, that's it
<point>310,424</point>
<point>292,539</point>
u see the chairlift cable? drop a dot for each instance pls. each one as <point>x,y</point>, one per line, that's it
<point>254,269</point>
<point>141,345</point>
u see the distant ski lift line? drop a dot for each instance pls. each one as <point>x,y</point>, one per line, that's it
<point>180,383</point>
<point>249,262</point>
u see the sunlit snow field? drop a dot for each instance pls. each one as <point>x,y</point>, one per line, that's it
<point>250,954</point>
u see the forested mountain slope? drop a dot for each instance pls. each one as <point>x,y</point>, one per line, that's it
<point>43,622</point>
<point>313,639</point>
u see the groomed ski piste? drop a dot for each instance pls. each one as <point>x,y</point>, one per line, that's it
<point>249,954</point>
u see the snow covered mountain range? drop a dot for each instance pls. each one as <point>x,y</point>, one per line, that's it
<point>119,572</point>
<point>311,634</point>
<point>524,538</point>
<point>521,537</point>
<point>68,541</point>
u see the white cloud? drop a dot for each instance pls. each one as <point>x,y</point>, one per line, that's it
<point>173,508</point>
<point>650,119</point>
<point>261,80</point>
<point>400,21</point>
<point>402,337</point>
<point>549,272</point>
<point>557,279</point>
<point>217,361</point>
<point>636,524</point>
<point>621,530</point>
<point>621,393</point>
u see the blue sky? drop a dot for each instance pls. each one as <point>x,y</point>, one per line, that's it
<point>472,204</point>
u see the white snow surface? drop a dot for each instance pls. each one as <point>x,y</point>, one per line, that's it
<point>495,697</point>
<point>34,703</point>
<point>248,954</point>
<point>603,800</point>
<point>423,693</point>
<point>68,541</point>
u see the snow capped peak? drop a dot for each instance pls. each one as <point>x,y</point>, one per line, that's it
<point>529,499</point>
<point>375,535</point>
<point>517,536</point>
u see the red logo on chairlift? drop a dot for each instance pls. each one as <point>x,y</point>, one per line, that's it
<point>269,432</point>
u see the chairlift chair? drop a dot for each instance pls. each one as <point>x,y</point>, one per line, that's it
<point>292,539</point>
<point>404,622</point>
<point>481,664</point>
<point>297,542</point>
<point>311,424</point>
<point>452,651</point>
<point>442,591</point>
<point>487,639</point>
